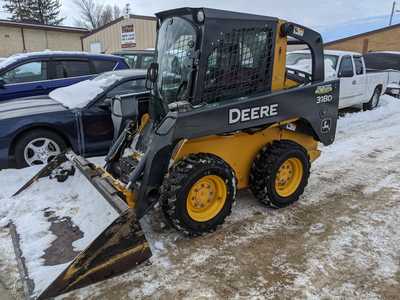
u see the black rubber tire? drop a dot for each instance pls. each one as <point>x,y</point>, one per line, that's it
<point>177,185</point>
<point>27,137</point>
<point>265,167</point>
<point>369,105</point>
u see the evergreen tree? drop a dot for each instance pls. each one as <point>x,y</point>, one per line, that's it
<point>19,10</point>
<point>45,11</point>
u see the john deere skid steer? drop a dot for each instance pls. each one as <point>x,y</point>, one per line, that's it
<point>225,114</point>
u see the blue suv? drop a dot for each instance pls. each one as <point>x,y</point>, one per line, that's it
<point>38,73</point>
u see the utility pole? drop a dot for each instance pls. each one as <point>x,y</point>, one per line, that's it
<point>394,10</point>
<point>127,9</point>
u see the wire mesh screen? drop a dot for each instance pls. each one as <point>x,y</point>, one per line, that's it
<point>240,65</point>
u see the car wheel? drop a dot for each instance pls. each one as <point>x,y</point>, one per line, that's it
<point>374,102</point>
<point>38,147</point>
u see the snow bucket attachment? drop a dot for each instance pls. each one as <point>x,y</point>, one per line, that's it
<point>114,243</point>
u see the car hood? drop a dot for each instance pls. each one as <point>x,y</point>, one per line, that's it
<point>29,106</point>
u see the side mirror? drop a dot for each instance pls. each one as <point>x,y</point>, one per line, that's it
<point>2,83</point>
<point>125,107</point>
<point>152,72</point>
<point>346,74</point>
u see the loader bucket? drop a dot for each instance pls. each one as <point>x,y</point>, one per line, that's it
<point>113,239</point>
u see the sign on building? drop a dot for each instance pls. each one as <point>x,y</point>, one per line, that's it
<point>128,36</point>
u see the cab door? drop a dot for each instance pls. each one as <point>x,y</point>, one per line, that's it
<point>348,82</point>
<point>361,80</point>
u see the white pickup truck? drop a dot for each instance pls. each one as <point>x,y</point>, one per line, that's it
<point>358,86</point>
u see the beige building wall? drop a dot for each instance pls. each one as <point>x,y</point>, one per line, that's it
<point>64,42</point>
<point>110,37</point>
<point>11,40</point>
<point>384,40</point>
<point>35,40</point>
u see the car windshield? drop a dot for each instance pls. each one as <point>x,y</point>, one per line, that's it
<point>80,94</point>
<point>298,58</point>
<point>175,48</point>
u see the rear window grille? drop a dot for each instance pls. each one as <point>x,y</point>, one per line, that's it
<point>240,65</point>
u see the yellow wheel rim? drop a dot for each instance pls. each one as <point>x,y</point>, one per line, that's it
<point>289,176</point>
<point>206,198</point>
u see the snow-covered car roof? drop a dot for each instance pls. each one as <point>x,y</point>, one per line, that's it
<point>23,56</point>
<point>330,52</point>
<point>82,93</point>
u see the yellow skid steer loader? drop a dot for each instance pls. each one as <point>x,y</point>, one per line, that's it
<point>224,114</point>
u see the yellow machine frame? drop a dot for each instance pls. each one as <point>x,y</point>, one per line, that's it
<point>240,149</point>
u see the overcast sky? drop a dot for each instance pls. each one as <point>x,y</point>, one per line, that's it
<point>309,12</point>
<point>323,15</point>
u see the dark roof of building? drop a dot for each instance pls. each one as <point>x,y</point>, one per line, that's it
<point>119,20</point>
<point>11,23</point>
<point>363,34</point>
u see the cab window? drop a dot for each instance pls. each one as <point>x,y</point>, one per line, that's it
<point>131,60</point>
<point>359,65</point>
<point>29,72</point>
<point>346,67</point>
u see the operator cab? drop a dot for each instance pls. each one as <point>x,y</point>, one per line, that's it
<point>243,56</point>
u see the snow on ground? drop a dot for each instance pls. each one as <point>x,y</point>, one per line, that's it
<point>340,241</point>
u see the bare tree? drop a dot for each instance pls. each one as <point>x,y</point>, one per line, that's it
<point>106,15</point>
<point>94,15</point>
<point>116,12</point>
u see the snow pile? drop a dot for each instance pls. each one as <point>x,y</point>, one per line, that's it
<point>80,202</point>
<point>80,94</point>
<point>305,65</point>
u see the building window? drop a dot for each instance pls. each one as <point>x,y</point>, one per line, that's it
<point>96,47</point>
